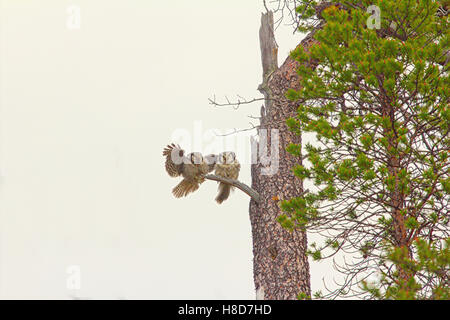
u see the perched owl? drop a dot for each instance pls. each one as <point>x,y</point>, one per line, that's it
<point>191,167</point>
<point>228,167</point>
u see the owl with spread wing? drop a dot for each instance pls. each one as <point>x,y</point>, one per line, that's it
<point>191,167</point>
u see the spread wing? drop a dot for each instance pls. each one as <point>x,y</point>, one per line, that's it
<point>174,160</point>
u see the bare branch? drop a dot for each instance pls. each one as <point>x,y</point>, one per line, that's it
<point>235,183</point>
<point>235,104</point>
<point>253,127</point>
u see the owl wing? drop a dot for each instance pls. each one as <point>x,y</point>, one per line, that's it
<point>184,188</point>
<point>234,170</point>
<point>174,160</point>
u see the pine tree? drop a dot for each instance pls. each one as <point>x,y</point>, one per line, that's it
<point>377,101</point>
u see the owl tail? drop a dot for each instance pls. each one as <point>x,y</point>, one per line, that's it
<point>184,188</point>
<point>224,192</point>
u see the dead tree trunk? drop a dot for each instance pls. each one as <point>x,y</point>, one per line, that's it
<point>280,264</point>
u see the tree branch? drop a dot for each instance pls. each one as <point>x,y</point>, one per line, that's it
<point>240,101</point>
<point>235,183</point>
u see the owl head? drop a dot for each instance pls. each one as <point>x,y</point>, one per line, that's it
<point>195,158</point>
<point>227,157</point>
<point>176,154</point>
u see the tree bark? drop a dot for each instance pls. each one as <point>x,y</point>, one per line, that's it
<point>280,263</point>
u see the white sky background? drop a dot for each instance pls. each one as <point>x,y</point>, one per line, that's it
<point>84,116</point>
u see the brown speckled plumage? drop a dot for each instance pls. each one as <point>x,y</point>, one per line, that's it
<point>191,167</point>
<point>227,166</point>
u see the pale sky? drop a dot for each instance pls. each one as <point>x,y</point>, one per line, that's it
<point>84,115</point>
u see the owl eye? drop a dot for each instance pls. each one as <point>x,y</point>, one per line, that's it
<point>196,158</point>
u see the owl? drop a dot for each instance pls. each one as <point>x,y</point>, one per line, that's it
<point>228,167</point>
<point>191,167</point>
